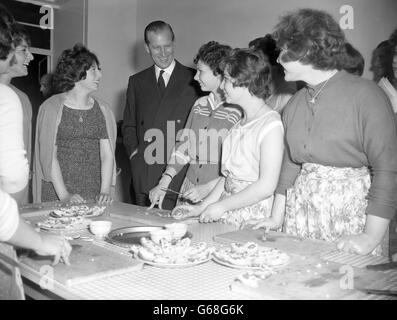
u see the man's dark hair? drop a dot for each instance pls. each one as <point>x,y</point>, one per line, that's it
<point>156,26</point>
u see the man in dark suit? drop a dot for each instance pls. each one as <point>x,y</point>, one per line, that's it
<point>158,98</point>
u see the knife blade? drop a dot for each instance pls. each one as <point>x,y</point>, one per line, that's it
<point>379,292</point>
<point>178,193</point>
<point>172,191</point>
<point>383,266</point>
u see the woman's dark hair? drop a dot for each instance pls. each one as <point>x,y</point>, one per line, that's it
<point>251,70</point>
<point>268,46</point>
<point>312,37</point>
<point>382,61</point>
<point>72,67</point>
<point>19,34</point>
<point>7,24</point>
<point>354,61</point>
<point>212,54</point>
<point>393,38</point>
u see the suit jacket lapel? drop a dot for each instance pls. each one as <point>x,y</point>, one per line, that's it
<point>172,91</point>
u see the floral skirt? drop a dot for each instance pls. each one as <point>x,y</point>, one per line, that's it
<point>328,203</point>
<point>237,217</point>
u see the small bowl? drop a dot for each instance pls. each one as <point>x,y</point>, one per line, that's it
<point>178,230</point>
<point>100,228</point>
<point>157,235</point>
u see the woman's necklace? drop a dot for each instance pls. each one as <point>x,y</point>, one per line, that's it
<point>71,103</point>
<point>313,99</point>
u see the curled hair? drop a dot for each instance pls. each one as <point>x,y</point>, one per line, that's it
<point>250,69</point>
<point>312,37</point>
<point>72,67</point>
<point>212,54</point>
<point>156,26</point>
<point>268,46</point>
<point>7,24</point>
<point>382,61</point>
<point>19,34</point>
<point>393,38</point>
<point>353,61</point>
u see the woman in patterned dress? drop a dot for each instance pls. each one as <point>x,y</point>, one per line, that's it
<point>338,179</point>
<point>252,152</point>
<point>208,123</point>
<point>76,135</point>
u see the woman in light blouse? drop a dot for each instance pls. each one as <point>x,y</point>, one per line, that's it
<point>253,150</point>
<point>338,179</point>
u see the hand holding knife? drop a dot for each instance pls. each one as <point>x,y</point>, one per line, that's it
<point>178,193</point>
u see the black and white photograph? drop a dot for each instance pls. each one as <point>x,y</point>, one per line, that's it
<point>200,155</point>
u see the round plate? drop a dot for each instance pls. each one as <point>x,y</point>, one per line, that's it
<point>173,265</point>
<point>126,237</point>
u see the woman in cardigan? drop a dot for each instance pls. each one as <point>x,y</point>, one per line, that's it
<point>76,134</point>
<point>338,179</point>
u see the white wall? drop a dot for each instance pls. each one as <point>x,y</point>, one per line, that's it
<point>236,22</point>
<point>111,34</point>
<point>115,30</point>
<point>69,27</point>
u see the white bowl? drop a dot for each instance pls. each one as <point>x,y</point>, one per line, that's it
<point>100,228</point>
<point>178,230</point>
<point>157,235</point>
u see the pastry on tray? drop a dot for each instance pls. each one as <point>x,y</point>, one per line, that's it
<point>78,211</point>
<point>63,224</point>
<point>250,255</point>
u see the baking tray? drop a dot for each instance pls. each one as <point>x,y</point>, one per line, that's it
<point>128,236</point>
